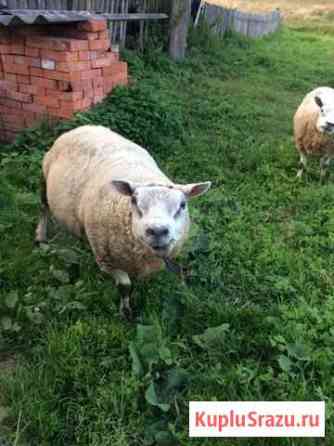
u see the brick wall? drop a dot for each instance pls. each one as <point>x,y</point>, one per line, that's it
<point>53,71</point>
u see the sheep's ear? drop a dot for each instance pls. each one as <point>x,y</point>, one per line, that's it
<point>318,101</point>
<point>194,190</point>
<point>124,187</point>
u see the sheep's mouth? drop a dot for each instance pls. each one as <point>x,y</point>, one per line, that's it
<point>161,249</point>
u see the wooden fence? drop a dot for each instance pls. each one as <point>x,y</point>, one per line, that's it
<point>118,29</point>
<point>222,19</point>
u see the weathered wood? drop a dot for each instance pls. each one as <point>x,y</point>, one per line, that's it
<point>221,19</point>
<point>133,16</point>
<point>179,24</point>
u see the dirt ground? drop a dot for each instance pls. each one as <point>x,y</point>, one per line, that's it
<point>298,10</point>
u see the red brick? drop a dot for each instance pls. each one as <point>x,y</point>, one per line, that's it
<point>60,112</point>
<point>80,85</point>
<point>102,62</point>
<point>65,95</point>
<point>104,35</point>
<point>91,74</point>
<point>72,66</point>
<point>57,43</point>
<point>42,82</point>
<point>84,55</point>
<point>93,25</point>
<point>98,82</point>
<point>62,76</point>
<point>36,108</point>
<point>5,110</point>
<point>17,49</point>
<point>17,96</point>
<point>64,86</point>
<point>8,135</point>
<point>120,79</point>
<point>82,35</point>
<point>108,86</point>
<point>39,72</point>
<point>32,52</point>
<point>103,44</point>
<point>22,79</point>
<point>86,103</point>
<point>10,77</point>
<point>114,68</point>
<point>71,106</point>
<point>6,85</point>
<point>29,61</point>
<point>11,103</point>
<point>98,91</point>
<point>32,89</point>
<point>16,68</point>
<point>7,58</point>
<point>14,122</point>
<point>48,101</point>
<point>95,54</point>
<point>89,93</point>
<point>59,56</point>
<point>5,49</point>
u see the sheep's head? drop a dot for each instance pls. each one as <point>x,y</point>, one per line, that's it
<point>160,216</point>
<point>325,122</point>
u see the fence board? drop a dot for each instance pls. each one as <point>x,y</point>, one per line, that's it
<point>221,20</point>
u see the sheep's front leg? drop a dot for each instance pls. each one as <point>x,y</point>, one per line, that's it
<point>122,281</point>
<point>302,165</point>
<point>324,164</point>
<point>124,285</point>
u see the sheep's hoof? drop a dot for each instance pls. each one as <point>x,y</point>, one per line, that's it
<point>324,176</point>
<point>40,243</point>
<point>125,309</point>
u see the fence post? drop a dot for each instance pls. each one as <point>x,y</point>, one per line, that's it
<point>179,24</point>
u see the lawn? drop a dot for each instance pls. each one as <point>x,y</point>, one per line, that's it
<point>255,320</point>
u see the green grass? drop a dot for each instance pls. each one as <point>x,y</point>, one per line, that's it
<point>261,254</point>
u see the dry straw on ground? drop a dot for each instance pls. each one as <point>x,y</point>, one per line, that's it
<point>292,11</point>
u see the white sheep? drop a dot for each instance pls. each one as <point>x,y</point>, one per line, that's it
<point>314,128</point>
<point>107,189</point>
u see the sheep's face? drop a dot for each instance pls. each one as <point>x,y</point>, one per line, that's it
<point>325,123</point>
<point>160,218</point>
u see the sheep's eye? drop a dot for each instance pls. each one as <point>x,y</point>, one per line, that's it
<point>135,204</point>
<point>181,208</point>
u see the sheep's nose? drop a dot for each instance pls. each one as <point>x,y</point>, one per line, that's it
<point>157,231</point>
<point>330,125</point>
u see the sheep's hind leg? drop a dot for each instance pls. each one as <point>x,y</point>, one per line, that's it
<point>41,230</point>
<point>324,164</point>
<point>302,165</point>
<point>124,285</point>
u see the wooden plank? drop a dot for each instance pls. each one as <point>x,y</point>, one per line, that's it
<point>134,16</point>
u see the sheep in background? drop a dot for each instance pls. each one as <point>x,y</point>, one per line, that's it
<point>107,189</point>
<point>314,128</point>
